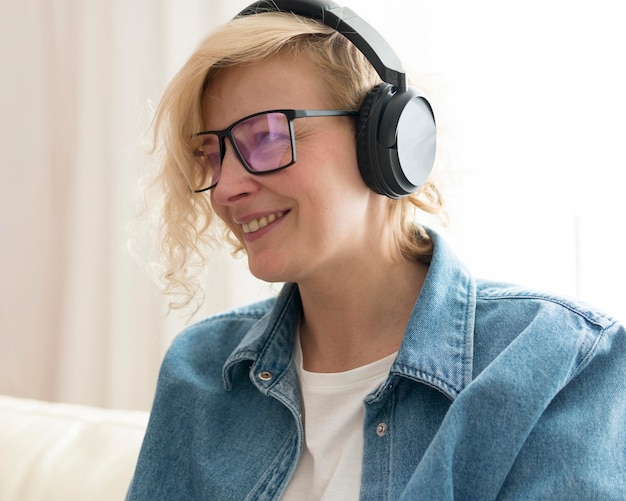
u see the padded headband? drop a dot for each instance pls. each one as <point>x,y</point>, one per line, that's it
<point>343,20</point>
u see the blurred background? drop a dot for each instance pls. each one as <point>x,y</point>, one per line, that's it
<point>530,101</point>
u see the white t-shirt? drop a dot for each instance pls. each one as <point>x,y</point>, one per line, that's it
<point>331,461</point>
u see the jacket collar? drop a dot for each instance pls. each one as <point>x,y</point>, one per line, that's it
<point>437,349</point>
<point>269,344</point>
<point>438,344</point>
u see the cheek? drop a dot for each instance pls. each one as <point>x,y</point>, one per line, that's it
<point>344,158</point>
<point>334,167</point>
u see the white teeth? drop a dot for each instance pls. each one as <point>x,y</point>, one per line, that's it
<point>262,222</point>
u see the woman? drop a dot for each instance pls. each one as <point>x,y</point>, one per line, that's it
<point>383,369</point>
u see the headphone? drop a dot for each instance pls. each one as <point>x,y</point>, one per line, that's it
<point>396,138</point>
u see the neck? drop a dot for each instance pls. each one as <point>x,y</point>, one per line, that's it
<point>359,315</point>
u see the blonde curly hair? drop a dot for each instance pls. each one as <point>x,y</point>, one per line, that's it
<point>187,219</point>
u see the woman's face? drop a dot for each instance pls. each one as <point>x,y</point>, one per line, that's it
<point>313,218</point>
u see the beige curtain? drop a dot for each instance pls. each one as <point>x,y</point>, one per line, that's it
<point>531,103</point>
<point>80,321</point>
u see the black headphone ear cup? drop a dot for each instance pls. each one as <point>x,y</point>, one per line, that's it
<point>396,140</point>
<point>367,136</point>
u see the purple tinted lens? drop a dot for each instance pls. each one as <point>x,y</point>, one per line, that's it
<point>264,141</point>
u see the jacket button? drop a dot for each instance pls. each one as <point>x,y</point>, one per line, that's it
<point>265,376</point>
<point>381,429</point>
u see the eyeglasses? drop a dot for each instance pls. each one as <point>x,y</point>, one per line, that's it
<point>264,142</point>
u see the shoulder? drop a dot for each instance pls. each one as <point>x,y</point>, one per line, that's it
<point>494,296</point>
<point>209,342</point>
<point>230,324</point>
<point>538,320</point>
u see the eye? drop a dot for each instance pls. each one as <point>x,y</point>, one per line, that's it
<point>271,138</point>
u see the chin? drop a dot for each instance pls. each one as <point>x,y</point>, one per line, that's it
<point>269,277</point>
<point>266,272</point>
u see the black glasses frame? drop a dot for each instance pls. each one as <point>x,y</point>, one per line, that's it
<point>291,115</point>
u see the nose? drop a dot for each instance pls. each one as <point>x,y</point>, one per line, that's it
<point>235,181</point>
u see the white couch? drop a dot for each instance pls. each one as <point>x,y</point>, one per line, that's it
<point>51,452</point>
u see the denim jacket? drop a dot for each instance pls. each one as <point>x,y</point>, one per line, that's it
<point>496,393</point>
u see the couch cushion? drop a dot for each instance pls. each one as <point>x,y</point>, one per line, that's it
<point>66,452</point>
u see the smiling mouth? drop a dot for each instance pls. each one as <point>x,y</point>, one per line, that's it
<point>262,222</point>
